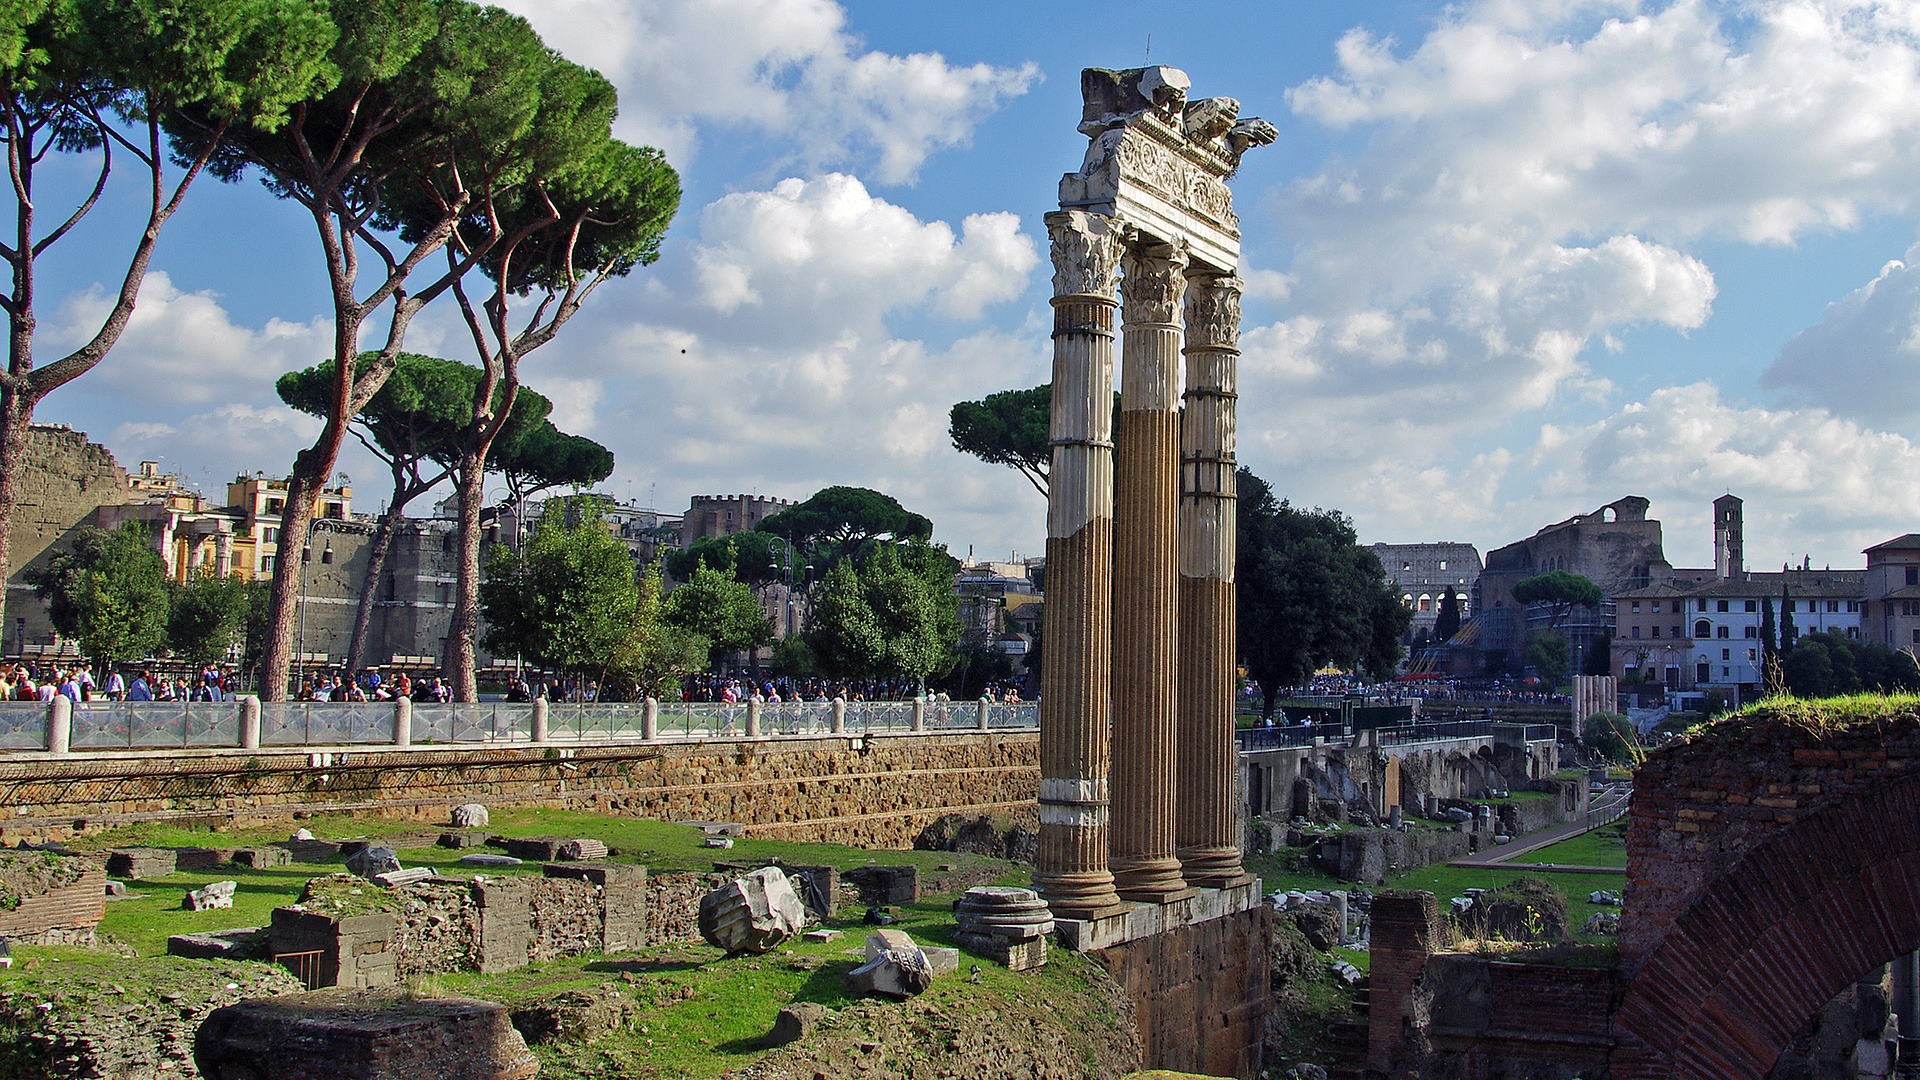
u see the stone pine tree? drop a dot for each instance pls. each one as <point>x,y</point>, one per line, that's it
<point>1008,428</point>
<point>86,85</point>
<point>446,119</point>
<point>601,212</point>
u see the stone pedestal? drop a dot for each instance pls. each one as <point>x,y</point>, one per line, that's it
<point>1146,554</point>
<point>1070,866</point>
<point>379,1035</point>
<point>1209,841</point>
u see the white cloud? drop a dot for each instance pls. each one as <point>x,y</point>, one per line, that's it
<point>1527,180</point>
<point>787,69</point>
<point>182,348</point>
<point>1862,359</point>
<point>810,259</point>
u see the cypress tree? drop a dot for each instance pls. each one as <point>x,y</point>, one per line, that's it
<point>1786,621</point>
<point>1769,647</point>
<point>1447,623</point>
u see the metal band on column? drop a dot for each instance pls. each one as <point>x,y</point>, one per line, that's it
<point>1070,867</point>
<point>1209,828</point>
<point>1146,601</point>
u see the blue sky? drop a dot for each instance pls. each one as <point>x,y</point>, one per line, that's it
<point>1508,260</point>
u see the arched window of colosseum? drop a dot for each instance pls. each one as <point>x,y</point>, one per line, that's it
<point>1426,602</point>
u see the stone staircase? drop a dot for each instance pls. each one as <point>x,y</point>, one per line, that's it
<point>1347,1039</point>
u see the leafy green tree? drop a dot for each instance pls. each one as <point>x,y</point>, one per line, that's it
<point>844,632</point>
<point>1008,428</point>
<point>910,591</point>
<point>208,614</point>
<point>656,654</point>
<point>793,657</point>
<point>1309,594</point>
<point>1549,654</point>
<point>839,523</point>
<point>108,592</point>
<point>1613,736</point>
<point>1447,623</point>
<point>722,609</point>
<point>85,87</point>
<point>1808,669</point>
<point>567,600</point>
<point>1829,662</point>
<point>1562,590</point>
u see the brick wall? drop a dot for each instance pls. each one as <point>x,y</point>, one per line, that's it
<point>1406,931</point>
<point>1769,866</point>
<point>1486,1017</point>
<point>66,915</point>
<point>878,792</point>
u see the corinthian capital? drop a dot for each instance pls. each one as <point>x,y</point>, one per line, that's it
<point>1155,279</point>
<point>1213,311</point>
<point>1086,253</point>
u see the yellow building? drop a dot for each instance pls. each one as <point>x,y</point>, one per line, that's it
<point>260,502</point>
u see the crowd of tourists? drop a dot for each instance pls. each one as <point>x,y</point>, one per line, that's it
<point>374,686</point>
<point>76,682</point>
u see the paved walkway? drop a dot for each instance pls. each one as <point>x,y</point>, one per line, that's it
<point>1501,858</point>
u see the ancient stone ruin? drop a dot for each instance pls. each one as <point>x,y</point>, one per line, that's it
<point>1136,715</point>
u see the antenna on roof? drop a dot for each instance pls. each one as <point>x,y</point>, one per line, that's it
<point>1149,57</point>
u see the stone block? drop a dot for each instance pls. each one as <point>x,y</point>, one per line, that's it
<point>261,858</point>
<point>535,848</point>
<point>582,848</point>
<point>246,943</point>
<point>488,859</point>
<point>371,861</point>
<point>717,842</point>
<point>116,890</point>
<point>823,935</point>
<point>199,858</point>
<point>881,941</point>
<point>886,884</point>
<point>942,960</point>
<point>717,828</point>
<point>794,1022</point>
<point>469,816</point>
<point>754,913</point>
<point>894,973</point>
<point>458,840</point>
<point>386,1035</point>
<point>218,894</point>
<point>818,886</point>
<point>141,864</point>
<point>393,879</point>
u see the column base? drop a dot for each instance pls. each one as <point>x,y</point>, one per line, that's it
<point>1144,920</point>
<point>1213,868</point>
<point>1150,881</point>
<point>1080,896</point>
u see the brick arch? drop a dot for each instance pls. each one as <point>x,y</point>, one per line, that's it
<point>1800,917</point>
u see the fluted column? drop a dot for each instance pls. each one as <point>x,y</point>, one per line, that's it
<point>1209,836</point>
<point>1146,602</point>
<point>1070,867</point>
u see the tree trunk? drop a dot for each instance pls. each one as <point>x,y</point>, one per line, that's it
<point>16,417</point>
<point>370,584</point>
<point>283,598</point>
<point>471,480</point>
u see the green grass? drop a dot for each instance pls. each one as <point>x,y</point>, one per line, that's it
<point>1820,715</point>
<point>1447,882</point>
<point>146,920</point>
<point>703,1014</point>
<point>1605,846</point>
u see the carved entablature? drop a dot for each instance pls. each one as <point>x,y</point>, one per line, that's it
<point>1086,253</point>
<point>1160,161</point>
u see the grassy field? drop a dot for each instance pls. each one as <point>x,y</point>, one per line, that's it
<point>145,920</point>
<point>1605,846</point>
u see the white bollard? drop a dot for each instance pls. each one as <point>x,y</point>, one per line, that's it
<point>249,721</point>
<point>60,725</point>
<point>402,721</point>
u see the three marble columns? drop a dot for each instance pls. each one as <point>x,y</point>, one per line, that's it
<point>1136,730</point>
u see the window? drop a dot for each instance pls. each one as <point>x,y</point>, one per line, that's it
<point>266,564</point>
<point>1913,575</point>
<point>1656,607</point>
<point>1750,632</point>
<point>1443,564</point>
<point>1723,672</point>
<point>1702,628</point>
<point>270,536</point>
<point>1720,632</point>
<point>1916,635</point>
<point>1702,602</point>
<point>1753,605</point>
<point>1656,632</point>
<point>1749,656</point>
<point>1636,605</point>
<point>1635,632</point>
<point>1853,631</point>
<point>1726,654</point>
<point>1676,632</point>
<point>1833,605</point>
<point>1722,606</point>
